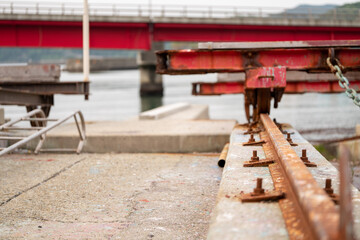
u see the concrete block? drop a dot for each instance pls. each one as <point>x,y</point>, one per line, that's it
<point>163,111</point>
<point>30,73</point>
<point>233,219</point>
<point>136,136</point>
<point>194,112</point>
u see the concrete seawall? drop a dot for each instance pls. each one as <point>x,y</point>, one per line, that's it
<point>185,130</point>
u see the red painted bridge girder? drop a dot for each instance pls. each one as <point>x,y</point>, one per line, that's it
<point>53,34</point>
<point>250,33</point>
<point>116,35</point>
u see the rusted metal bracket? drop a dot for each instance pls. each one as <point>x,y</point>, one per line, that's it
<point>259,194</point>
<point>257,162</point>
<point>288,138</point>
<point>252,141</point>
<point>330,191</point>
<point>305,159</point>
<point>280,126</point>
<point>252,131</point>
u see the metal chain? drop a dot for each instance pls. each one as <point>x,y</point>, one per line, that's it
<point>343,81</point>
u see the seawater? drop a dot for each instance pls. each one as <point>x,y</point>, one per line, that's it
<point>115,97</point>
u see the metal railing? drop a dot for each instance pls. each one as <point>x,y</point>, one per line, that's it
<point>171,11</point>
<point>40,121</point>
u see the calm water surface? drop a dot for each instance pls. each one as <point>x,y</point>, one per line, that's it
<point>114,97</point>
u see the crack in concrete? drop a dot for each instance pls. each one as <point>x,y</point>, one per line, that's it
<point>80,222</point>
<point>40,183</point>
<point>133,204</point>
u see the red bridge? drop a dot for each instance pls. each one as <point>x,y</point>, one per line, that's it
<point>135,27</point>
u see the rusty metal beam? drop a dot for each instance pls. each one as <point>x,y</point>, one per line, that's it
<point>24,98</point>
<point>210,61</point>
<point>236,87</point>
<point>280,44</point>
<point>49,88</point>
<point>319,219</point>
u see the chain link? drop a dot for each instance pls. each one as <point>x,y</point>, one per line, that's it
<point>343,81</point>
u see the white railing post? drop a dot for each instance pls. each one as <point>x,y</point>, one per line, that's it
<point>86,50</point>
<point>63,9</point>
<point>11,8</point>
<point>185,14</point>
<point>37,8</point>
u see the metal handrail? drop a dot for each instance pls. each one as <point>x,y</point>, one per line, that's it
<point>151,11</point>
<point>42,133</point>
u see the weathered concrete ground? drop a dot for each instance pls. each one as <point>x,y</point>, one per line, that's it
<point>107,196</point>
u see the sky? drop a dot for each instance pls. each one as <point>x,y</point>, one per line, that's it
<point>252,3</point>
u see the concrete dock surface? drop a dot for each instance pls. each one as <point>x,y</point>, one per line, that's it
<point>107,196</point>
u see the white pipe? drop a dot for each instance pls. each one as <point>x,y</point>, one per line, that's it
<point>86,58</point>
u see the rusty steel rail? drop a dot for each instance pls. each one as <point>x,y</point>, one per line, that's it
<point>308,211</point>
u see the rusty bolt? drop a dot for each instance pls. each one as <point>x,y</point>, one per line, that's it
<point>303,157</point>
<point>328,189</point>
<point>251,139</point>
<point>258,190</point>
<point>289,138</point>
<point>254,158</point>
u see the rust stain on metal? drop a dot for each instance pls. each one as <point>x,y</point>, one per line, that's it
<point>296,230</point>
<point>346,217</point>
<point>252,141</point>
<point>315,211</point>
<point>259,194</point>
<point>255,161</point>
<point>305,159</point>
<point>252,131</point>
<point>290,141</point>
<point>330,191</point>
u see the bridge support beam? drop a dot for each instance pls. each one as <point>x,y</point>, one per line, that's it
<point>150,82</point>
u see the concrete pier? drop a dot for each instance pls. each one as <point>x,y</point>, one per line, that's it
<point>233,219</point>
<point>150,82</point>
